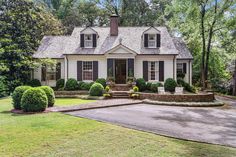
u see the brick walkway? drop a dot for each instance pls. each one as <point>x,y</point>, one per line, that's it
<point>97,104</point>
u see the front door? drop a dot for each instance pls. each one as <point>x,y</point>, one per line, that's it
<point>120,71</point>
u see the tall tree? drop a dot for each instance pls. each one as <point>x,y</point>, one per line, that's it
<point>22,26</point>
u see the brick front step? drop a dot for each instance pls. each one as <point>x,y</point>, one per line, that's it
<point>121,87</point>
<point>120,94</point>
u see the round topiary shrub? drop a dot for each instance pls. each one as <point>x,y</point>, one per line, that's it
<point>170,85</point>
<point>34,100</point>
<point>34,83</point>
<point>141,83</point>
<point>96,90</point>
<point>71,84</point>
<point>50,95</point>
<point>80,85</point>
<point>102,81</point>
<point>60,84</point>
<point>186,85</point>
<point>17,95</point>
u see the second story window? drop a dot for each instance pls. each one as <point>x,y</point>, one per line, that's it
<point>88,41</point>
<point>152,40</point>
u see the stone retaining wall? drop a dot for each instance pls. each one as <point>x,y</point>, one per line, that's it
<point>81,92</point>
<point>203,97</point>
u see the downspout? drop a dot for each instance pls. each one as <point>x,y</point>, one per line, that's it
<point>66,67</point>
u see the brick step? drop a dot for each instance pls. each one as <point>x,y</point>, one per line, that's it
<point>121,87</point>
<point>120,96</point>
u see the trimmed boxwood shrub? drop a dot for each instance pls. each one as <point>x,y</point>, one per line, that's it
<point>86,85</point>
<point>102,81</point>
<point>141,83</point>
<point>60,84</point>
<point>17,95</point>
<point>80,85</point>
<point>96,90</point>
<point>148,86</point>
<point>34,83</point>
<point>50,95</point>
<point>71,84</point>
<point>170,85</point>
<point>34,100</point>
<point>186,86</point>
<point>154,86</point>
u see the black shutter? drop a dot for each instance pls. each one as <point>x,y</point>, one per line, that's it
<point>81,40</point>
<point>95,70</point>
<point>110,70</point>
<point>79,70</point>
<point>158,40</point>
<point>43,73</point>
<point>94,40</point>
<point>145,40</point>
<point>58,71</point>
<point>130,67</point>
<point>145,70</point>
<point>184,68</point>
<point>161,70</point>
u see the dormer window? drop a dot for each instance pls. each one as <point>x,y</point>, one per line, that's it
<point>152,40</point>
<point>88,41</point>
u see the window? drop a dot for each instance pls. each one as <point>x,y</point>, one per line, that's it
<point>152,40</point>
<point>180,68</point>
<point>51,73</point>
<point>88,70</point>
<point>153,70</point>
<point>88,40</point>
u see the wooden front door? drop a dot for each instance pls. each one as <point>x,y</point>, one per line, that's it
<point>120,71</point>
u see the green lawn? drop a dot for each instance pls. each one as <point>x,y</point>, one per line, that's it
<point>56,134</point>
<point>71,101</point>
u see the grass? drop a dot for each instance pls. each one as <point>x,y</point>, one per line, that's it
<point>71,101</point>
<point>56,134</point>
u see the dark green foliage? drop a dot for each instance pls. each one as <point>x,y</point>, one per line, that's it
<point>34,100</point>
<point>186,86</point>
<point>34,83</point>
<point>170,85</point>
<point>17,95</point>
<point>60,84</point>
<point>3,88</point>
<point>22,26</point>
<point>148,86</point>
<point>80,85</point>
<point>71,84</point>
<point>154,86</point>
<point>102,81</point>
<point>96,90</point>
<point>141,83</point>
<point>86,85</point>
<point>50,95</point>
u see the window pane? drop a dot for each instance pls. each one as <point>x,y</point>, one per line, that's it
<point>88,70</point>
<point>179,67</point>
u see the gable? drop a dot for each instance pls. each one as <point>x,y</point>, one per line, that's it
<point>151,30</point>
<point>88,30</point>
<point>120,49</point>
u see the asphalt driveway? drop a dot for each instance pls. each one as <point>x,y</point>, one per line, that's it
<point>211,125</point>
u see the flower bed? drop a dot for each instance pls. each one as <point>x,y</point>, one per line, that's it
<point>200,97</point>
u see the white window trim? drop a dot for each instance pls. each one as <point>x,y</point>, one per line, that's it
<point>155,41</point>
<point>86,70</point>
<point>156,71</point>
<point>88,40</point>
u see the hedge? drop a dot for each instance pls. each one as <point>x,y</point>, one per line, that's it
<point>96,90</point>
<point>50,95</point>
<point>71,84</point>
<point>170,85</point>
<point>102,81</point>
<point>141,83</point>
<point>17,95</point>
<point>34,83</point>
<point>60,84</point>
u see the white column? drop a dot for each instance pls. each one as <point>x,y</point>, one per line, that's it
<point>66,67</point>
<point>190,75</point>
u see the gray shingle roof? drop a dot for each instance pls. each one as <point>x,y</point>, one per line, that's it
<point>51,47</point>
<point>56,46</point>
<point>184,52</point>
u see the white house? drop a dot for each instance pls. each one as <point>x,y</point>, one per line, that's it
<point>98,52</point>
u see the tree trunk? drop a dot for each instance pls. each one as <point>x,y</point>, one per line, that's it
<point>234,80</point>
<point>203,46</point>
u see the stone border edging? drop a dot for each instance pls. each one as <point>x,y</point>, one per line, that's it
<point>185,104</point>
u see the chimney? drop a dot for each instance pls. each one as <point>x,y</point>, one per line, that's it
<point>114,25</point>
